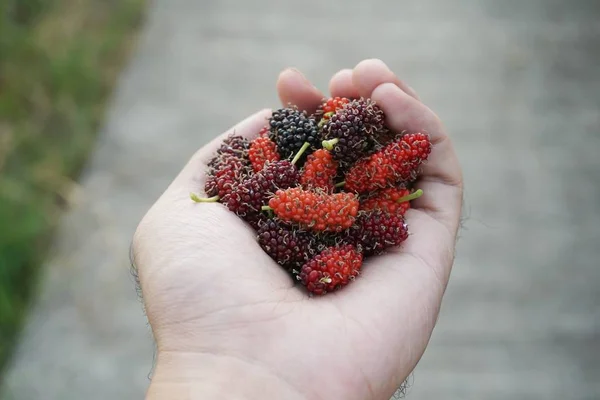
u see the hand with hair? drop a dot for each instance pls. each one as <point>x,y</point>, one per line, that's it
<point>230,323</point>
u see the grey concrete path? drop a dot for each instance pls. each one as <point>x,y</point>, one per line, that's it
<point>517,84</point>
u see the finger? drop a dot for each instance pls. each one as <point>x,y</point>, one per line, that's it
<point>192,176</point>
<point>341,85</point>
<point>369,74</point>
<point>404,113</point>
<point>409,281</point>
<point>294,88</point>
<point>441,178</point>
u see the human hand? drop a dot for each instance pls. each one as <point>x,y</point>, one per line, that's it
<point>230,323</point>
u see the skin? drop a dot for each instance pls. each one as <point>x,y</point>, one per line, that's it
<point>229,323</point>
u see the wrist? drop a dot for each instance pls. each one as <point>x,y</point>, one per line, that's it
<point>191,376</point>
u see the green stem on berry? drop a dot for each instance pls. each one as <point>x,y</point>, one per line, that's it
<point>300,152</point>
<point>414,195</point>
<point>325,118</point>
<point>199,199</point>
<point>328,144</point>
<point>340,184</point>
<point>266,208</point>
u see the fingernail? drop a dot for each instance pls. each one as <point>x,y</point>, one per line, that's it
<point>295,71</point>
<point>304,78</point>
<point>382,64</point>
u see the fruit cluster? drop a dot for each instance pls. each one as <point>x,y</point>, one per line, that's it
<point>322,191</point>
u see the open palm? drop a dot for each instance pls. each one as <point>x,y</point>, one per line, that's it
<point>230,323</point>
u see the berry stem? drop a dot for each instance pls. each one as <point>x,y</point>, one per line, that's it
<point>328,144</point>
<point>340,184</point>
<point>199,199</point>
<point>305,146</point>
<point>325,118</point>
<point>414,195</point>
<point>266,208</point>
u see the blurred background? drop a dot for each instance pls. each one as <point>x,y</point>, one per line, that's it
<point>103,101</point>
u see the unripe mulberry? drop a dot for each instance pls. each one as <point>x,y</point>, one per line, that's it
<point>262,151</point>
<point>397,162</point>
<point>331,269</point>
<point>318,211</point>
<point>319,171</point>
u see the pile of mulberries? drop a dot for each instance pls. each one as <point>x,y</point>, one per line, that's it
<point>322,191</point>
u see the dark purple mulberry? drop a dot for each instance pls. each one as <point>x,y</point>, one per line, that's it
<point>236,145</point>
<point>290,128</point>
<point>247,198</point>
<point>374,231</point>
<point>286,245</point>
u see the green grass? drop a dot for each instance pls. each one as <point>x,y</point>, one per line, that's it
<point>59,60</point>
